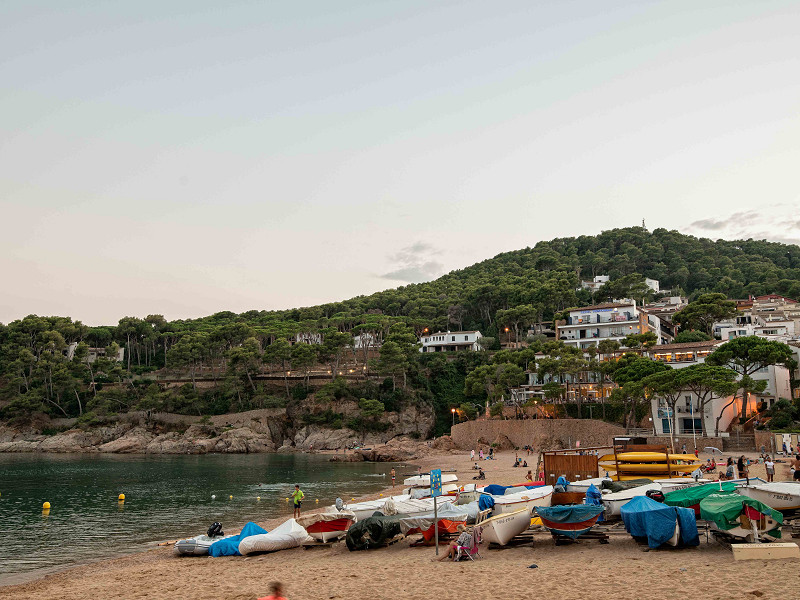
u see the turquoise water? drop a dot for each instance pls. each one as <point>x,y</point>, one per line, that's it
<point>167,497</point>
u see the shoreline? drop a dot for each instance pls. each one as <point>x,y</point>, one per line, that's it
<point>327,572</point>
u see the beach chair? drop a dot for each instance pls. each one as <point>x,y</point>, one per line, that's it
<point>470,551</point>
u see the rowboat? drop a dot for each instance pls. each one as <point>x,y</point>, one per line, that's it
<point>615,501</point>
<point>327,526</point>
<point>781,495</point>
<point>571,521</point>
<point>400,504</point>
<point>679,483</point>
<point>528,499</point>
<point>741,516</point>
<point>503,527</point>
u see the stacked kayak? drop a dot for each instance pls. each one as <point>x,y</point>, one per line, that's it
<point>628,465</point>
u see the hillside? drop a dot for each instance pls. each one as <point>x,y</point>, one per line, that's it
<point>244,359</point>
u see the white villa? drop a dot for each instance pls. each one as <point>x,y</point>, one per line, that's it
<point>586,326</point>
<point>451,341</point>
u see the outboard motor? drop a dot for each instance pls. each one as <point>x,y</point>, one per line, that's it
<point>656,495</point>
<point>215,530</point>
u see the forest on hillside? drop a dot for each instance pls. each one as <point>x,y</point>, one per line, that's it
<point>513,289</point>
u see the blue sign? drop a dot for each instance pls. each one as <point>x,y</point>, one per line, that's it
<point>436,482</point>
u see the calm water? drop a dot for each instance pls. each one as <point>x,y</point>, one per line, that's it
<point>167,497</point>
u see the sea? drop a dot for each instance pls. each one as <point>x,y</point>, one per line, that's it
<point>167,497</point>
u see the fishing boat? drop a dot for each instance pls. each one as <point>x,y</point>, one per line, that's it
<point>527,499</point>
<point>741,516</point>
<point>690,497</point>
<point>425,480</point>
<point>582,485</point>
<point>571,521</point>
<point>781,495</point>
<point>327,526</point>
<point>288,535</point>
<point>679,483</point>
<point>616,500</point>
<point>502,528</point>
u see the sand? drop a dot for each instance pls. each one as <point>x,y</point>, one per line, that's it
<point>621,570</point>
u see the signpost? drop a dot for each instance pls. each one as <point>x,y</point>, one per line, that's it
<point>436,491</point>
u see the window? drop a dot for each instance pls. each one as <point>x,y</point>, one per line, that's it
<point>466,338</point>
<point>453,338</point>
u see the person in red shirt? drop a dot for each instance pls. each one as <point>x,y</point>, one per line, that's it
<point>277,592</point>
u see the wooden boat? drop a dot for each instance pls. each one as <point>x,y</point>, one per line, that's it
<point>643,457</point>
<point>582,485</point>
<point>571,521</point>
<point>741,516</point>
<point>780,495</point>
<point>615,501</point>
<point>502,528</point>
<point>528,499</point>
<point>327,526</point>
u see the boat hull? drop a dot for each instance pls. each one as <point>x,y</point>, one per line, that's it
<point>783,496</point>
<point>328,531</point>
<point>501,529</point>
<point>527,501</point>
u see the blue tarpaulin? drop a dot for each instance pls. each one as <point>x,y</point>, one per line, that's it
<point>230,546</point>
<point>570,520</point>
<point>496,490</point>
<point>594,498</point>
<point>485,501</point>
<point>644,517</point>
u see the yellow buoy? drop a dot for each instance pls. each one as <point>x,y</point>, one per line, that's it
<point>258,498</point>
<point>351,499</point>
<point>121,497</point>
<point>230,497</point>
<point>380,494</point>
<point>287,499</point>
<point>46,506</point>
<point>317,500</point>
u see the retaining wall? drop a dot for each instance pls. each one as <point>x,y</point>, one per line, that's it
<point>542,434</point>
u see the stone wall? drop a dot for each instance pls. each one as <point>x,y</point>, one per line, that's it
<point>701,442</point>
<point>539,433</point>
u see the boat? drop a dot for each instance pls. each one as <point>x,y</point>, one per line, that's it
<point>447,520</point>
<point>196,546</point>
<point>582,485</point>
<point>327,526</point>
<point>425,480</point>
<point>616,500</point>
<point>448,489</point>
<point>690,497</point>
<point>571,521</point>
<point>402,503</point>
<point>780,495</point>
<point>741,516</point>
<point>288,535</point>
<point>679,483</point>
<point>659,523</point>
<point>502,528</point>
<point>528,499</point>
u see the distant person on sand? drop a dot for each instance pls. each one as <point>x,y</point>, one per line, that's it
<point>729,468</point>
<point>297,499</point>
<point>796,467</point>
<point>740,466</point>
<point>529,476</point>
<point>472,455</point>
<point>277,592</point>
<point>480,453</point>
<point>770,466</point>
<point>393,476</point>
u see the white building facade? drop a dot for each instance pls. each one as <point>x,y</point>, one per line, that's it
<point>451,341</point>
<point>586,326</point>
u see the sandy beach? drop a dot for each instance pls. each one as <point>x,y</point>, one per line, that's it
<point>621,569</point>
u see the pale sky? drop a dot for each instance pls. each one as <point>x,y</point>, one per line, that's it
<point>188,157</point>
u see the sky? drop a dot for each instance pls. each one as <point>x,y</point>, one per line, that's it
<point>187,157</point>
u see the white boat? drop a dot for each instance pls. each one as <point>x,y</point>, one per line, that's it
<point>780,495</point>
<point>501,528</point>
<point>362,510</point>
<point>196,546</point>
<point>582,485</point>
<point>327,526</point>
<point>413,506</point>
<point>679,483</point>
<point>448,489</point>
<point>527,499</point>
<point>616,500</point>
<point>288,535</point>
<point>425,480</point>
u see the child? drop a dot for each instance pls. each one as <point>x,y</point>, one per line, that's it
<point>277,592</point>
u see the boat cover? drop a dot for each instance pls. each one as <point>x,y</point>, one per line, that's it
<point>307,520</point>
<point>496,490</point>
<point>724,510</point>
<point>230,546</point>
<point>485,501</point>
<point>594,498</point>
<point>373,531</point>
<point>621,486</point>
<point>687,523</point>
<point>572,514</point>
<point>447,511</point>
<point>646,518</point>
<point>287,535</point>
<point>691,496</point>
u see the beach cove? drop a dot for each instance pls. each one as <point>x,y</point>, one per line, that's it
<point>622,568</point>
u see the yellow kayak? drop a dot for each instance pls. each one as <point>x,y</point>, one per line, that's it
<point>640,457</point>
<point>630,468</point>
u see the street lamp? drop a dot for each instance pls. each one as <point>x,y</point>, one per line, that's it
<point>453,410</point>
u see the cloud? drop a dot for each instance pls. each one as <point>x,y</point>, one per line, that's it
<point>774,223</point>
<point>415,264</point>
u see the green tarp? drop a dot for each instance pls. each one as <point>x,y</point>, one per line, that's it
<point>724,510</point>
<point>373,531</point>
<point>692,496</point>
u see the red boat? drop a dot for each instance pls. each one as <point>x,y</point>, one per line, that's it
<point>327,527</point>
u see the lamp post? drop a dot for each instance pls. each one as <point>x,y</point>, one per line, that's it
<point>453,411</point>
<point>508,337</point>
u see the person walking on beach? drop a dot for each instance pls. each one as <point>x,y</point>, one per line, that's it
<point>770,466</point>
<point>480,453</point>
<point>297,499</point>
<point>472,455</point>
<point>277,592</point>
<point>683,449</point>
<point>796,467</point>
<point>393,476</point>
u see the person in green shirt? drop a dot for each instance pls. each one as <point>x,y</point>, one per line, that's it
<point>297,498</point>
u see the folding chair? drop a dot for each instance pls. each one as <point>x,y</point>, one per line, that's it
<point>472,550</point>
